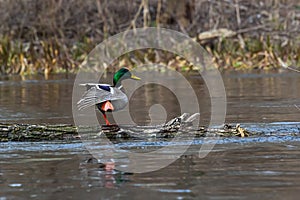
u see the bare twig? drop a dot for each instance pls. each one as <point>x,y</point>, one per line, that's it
<point>284,65</point>
<point>133,22</point>
<point>101,16</point>
<point>237,11</point>
<point>146,13</point>
<point>238,19</point>
<point>292,69</point>
<point>158,13</point>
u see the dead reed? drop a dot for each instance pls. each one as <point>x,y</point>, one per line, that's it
<point>54,36</point>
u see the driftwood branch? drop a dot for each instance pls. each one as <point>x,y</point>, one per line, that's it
<point>225,33</point>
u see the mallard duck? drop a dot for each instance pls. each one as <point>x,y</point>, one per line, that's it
<point>106,97</point>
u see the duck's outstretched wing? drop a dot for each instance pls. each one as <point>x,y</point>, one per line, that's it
<point>98,93</point>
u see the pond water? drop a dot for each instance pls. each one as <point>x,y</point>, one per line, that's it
<point>236,168</point>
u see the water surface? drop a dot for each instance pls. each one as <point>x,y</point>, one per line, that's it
<point>255,97</point>
<point>265,167</point>
<point>235,171</point>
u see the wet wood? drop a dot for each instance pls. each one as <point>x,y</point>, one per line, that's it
<point>34,132</point>
<point>179,125</point>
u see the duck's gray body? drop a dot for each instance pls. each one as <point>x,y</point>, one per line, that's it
<point>100,93</point>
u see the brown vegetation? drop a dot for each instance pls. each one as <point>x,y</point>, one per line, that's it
<point>55,35</point>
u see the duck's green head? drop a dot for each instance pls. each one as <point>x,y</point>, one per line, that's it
<point>123,74</point>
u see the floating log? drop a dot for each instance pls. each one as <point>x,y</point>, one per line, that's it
<point>179,125</point>
<point>33,132</point>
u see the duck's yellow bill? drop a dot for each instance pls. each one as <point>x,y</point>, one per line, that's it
<point>135,77</point>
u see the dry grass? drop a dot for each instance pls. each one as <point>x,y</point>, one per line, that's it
<point>56,35</point>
